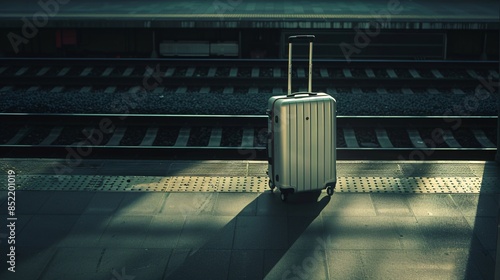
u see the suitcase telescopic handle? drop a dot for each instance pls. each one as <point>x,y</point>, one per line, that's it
<point>295,37</point>
<point>310,38</point>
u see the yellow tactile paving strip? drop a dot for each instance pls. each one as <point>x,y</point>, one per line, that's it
<point>256,184</point>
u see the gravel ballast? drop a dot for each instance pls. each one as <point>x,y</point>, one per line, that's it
<point>241,103</point>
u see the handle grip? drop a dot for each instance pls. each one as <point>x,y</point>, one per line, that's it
<point>294,94</point>
<point>297,37</point>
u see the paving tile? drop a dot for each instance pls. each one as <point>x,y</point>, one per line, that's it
<point>207,232</point>
<point>260,233</point>
<point>352,168</point>
<point>141,203</point>
<point>222,168</point>
<point>391,205</point>
<point>164,231</point>
<point>345,264</point>
<point>446,232</point>
<point>64,168</point>
<point>128,263</point>
<point>104,203</point>
<point>232,204</point>
<point>134,168</point>
<point>45,230</point>
<point>76,263</point>
<point>246,264</point>
<point>269,204</point>
<point>433,205</point>
<point>483,261</point>
<point>361,233</point>
<point>28,202</point>
<point>66,203</point>
<point>177,258</point>
<point>305,232</point>
<point>485,170</point>
<point>30,262</point>
<point>295,264</point>
<point>306,199</point>
<point>350,205</point>
<point>86,232</point>
<point>258,169</point>
<point>486,229</point>
<point>271,259</point>
<point>202,264</point>
<point>450,169</point>
<point>410,235</point>
<point>125,231</point>
<point>189,204</point>
<point>476,205</point>
<point>304,204</point>
<point>417,264</point>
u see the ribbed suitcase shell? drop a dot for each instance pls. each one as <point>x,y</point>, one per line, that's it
<point>302,153</point>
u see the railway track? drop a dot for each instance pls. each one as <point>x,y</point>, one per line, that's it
<point>76,136</point>
<point>241,76</point>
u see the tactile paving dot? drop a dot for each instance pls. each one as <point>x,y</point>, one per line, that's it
<point>249,184</point>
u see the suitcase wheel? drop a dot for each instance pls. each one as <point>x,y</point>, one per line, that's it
<point>272,185</point>
<point>284,196</point>
<point>329,190</point>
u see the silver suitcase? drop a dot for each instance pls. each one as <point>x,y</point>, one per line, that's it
<point>302,137</point>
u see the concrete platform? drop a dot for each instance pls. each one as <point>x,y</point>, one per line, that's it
<point>356,234</point>
<point>393,14</point>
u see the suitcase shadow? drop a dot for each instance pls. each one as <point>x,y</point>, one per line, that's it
<point>262,234</point>
<point>308,197</point>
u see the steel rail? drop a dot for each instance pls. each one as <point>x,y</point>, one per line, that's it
<point>158,65</point>
<point>217,62</point>
<point>243,120</point>
<point>252,121</point>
